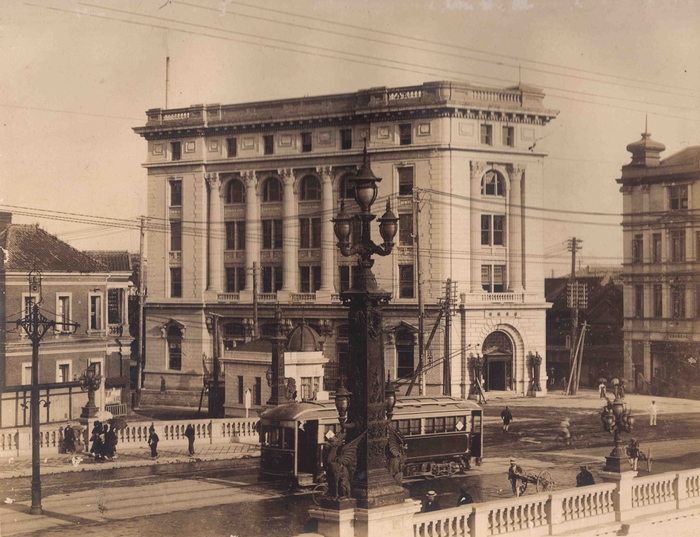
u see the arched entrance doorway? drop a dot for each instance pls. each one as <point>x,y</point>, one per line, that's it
<point>498,361</point>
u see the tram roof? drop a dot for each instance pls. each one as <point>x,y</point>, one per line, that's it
<point>315,409</point>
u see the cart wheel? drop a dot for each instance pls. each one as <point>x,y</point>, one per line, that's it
<point>318,492</point>
<point>544,482</point>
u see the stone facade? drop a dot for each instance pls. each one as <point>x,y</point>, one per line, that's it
<point>246,192</point>
<point>661,234</point>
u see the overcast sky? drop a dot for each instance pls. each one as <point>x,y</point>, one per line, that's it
<point>75,77</point>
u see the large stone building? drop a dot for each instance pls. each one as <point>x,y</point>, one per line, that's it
<point>661,233</point>
<point>237,187</point>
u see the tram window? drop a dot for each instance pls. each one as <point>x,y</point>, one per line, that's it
<point>439,425</point>
<point>288,438</point>
<point>275,437</point>
<point>429,425</point>
<point>450,423</point>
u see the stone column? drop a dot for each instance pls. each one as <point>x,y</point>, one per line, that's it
<point>253,232</point>
<point>515,230</point>
<point>290,244</point>
<point>327,234</point>
<point>477,171</point>
<point>216,235</point>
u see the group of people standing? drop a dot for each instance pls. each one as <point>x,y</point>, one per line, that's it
<point>104,442</point>
<point>153,440</point>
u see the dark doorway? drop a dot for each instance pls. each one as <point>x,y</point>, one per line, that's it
<point>497,375</point>
<point>498,356</point>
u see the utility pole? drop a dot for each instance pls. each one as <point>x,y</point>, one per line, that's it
<point>450,290</point>
<point>421,303</point>
<point>463,341</point>
<point>142,277</point>
<point>572,298</point>
<point>255,300</point>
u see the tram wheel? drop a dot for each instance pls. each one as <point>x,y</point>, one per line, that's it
<point>544,482</point>
<point>318,492</point>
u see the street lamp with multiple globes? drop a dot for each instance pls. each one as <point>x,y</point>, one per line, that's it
<point>616,418</point>
<point>90,382</point>
<point>372,486</point>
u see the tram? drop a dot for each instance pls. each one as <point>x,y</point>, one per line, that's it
<point>443,434</point>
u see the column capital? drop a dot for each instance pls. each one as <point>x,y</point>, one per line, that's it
<point>249,178</point>
<point>515,170</point>
<point>287,175</point>
<point>212,179</point>
<point>478,167</point>
<point>325,172</point>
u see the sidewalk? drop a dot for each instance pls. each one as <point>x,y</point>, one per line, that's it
<point>61,463</point>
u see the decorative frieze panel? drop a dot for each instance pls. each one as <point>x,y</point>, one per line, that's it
<point>213,146</point>
<point>271,209</point>
<point>326,138</point>
<point>157,149</point>
<point>234,212</point>
<point>527,134</point>
<point>383,133</point>
<point>271,256</point>
<point>310,255</point>
<point>190,146</point>
<point>286,140</point>
<point>466,129</point>
<point>404,204</point>
<point>310,208</point>
<point>423,129</point>
<point>176,258</point>
<point>234,256</point>
<point>248,142</point>
<point>175,213</point>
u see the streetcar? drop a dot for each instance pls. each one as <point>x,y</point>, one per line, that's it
<point>442,434</point>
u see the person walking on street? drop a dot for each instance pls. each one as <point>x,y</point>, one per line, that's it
<point>97,438</point>
<point>111,443</point>
<point>584,478</point>
<point>603,390</point>
<point>653,411</point>
<point>633,453</point>
<point>507,417</point>
<point>564,431</point>
<point>69,439</point>
<point>431,502</point>
<point>189,434</point>
<point>153,441</point>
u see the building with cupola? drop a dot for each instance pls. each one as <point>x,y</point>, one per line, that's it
<point>661,234</point>
<point>241,199</point>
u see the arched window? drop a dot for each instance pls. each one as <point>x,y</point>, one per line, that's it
<point>310,188</point>
<point>493,184</point>
<point>174,338</point>
<point>347,189</point>
<point>405,350</point>
<point>235,192</point>
<point>272,189</point>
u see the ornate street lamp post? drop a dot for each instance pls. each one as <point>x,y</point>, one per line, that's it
<point>276,380</point>
<point>90,382</point>
<point>372,485</point>
<point>616,418</point>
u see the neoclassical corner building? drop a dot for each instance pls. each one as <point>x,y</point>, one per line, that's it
<point>245,193</point>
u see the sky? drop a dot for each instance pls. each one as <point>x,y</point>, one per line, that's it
<point>77,76</point>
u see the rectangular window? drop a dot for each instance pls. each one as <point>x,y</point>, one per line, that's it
<point>175,282</point>
<point>258,391</point>
<point>499,278</point>
<point>235,235</point>
<point>175,193</point>
<point>486,278</point>
<point>175,354</point>
<point>638,249</point>
<point>235,279</point>
<point>29,302</point>
<point>95,312</point>
<point>639,301</point>
<point>658,301</point>
<point>678,301</point>
<point>348,275</point>
<point>63,314</point>
<point>310,232</point>
<point>175,236</point>
<point>487,134</point>
<point>310,279</point>
<point>231,147</point>
<point>406,281</point>
<point>26,373</point>
<point>176,150</point>
<point>406,181</point>
<point>271,279</point>
<point>240,389</point>
<point>272,234</point>
<point>406,229</point>
<point>269,144</point>
<point>498,227</point>
<point>114,306</point>
<point>345,139</point>
<point>63,373</point>
<point>306,142</point>
<point>485,229</point>
<point>678,197</point>
<point>678,245</point>
<point>405,137</point>
<point>509,136</point>
<point>656,248</point>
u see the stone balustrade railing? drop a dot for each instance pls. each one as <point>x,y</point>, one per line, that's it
<point>17,441</point>
<point>566,511</point>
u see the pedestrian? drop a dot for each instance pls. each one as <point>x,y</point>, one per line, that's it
<point>189,434</point>
<point>616,387</point>
<point>97,439</point>
<point>162,384</point>
<point>464,496</point>
<point>69,439</point>
<point>633,453</point>
<point>153,441</point>
<point>507,417</point>
<point>584,478</point>
<point>564,431</point>
<point>653,411</point>
<point>515,476</point>
<point>110,443</point>
<point>431,502</point>
<point>603,390</point>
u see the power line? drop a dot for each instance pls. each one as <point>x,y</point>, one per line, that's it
<point>58,111</point>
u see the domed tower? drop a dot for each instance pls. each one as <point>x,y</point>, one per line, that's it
<point>304,339</point>
<point>645,152</point>
<point>304,362</point>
